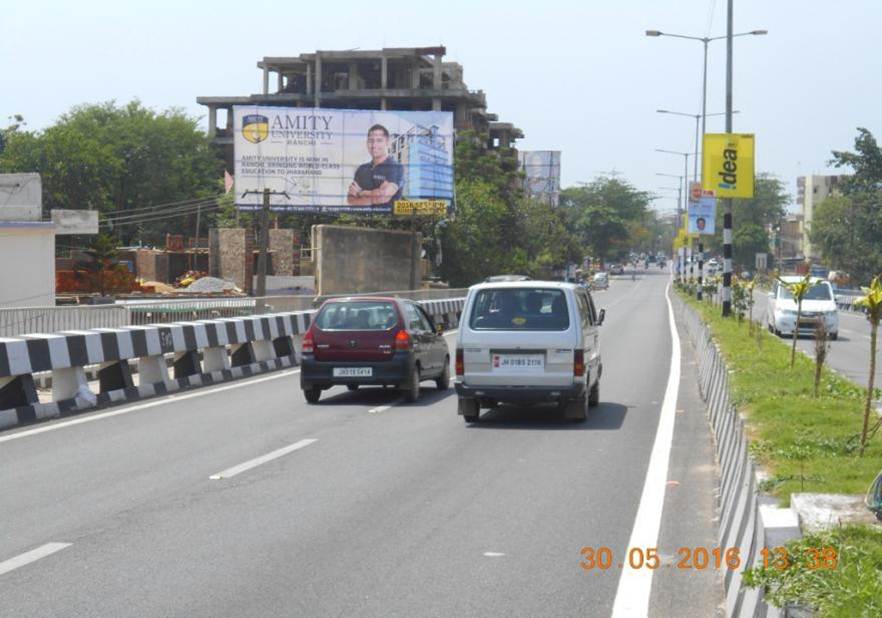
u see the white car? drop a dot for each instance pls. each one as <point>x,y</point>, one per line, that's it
<point>526,343</point>
<point>818,303</point>
<point>600,281</point>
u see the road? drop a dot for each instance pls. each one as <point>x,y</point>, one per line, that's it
<point>849,355</point>
<point>365,505</point>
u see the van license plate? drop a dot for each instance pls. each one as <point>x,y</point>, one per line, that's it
<point>353,372</point>
<point>518,362</point>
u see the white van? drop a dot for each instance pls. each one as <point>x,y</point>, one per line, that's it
<point>528,342</point>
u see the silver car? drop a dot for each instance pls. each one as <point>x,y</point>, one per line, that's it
<point>526,343</point>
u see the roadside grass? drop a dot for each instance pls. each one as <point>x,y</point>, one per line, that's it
<point>848,583</point>
<point>805,443</point>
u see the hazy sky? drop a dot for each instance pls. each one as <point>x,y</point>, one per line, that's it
<point>580,77</point>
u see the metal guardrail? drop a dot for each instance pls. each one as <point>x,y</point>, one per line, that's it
<point>17,321</point>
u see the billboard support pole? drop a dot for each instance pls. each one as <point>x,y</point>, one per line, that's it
<point>264,244</point>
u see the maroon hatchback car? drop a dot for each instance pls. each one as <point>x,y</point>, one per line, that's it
<point>363,341</point>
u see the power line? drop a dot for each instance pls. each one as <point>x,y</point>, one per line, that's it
<point>161,217</point>
<point>168,210</point>
<point>124,211</point>
<point>171,212</point>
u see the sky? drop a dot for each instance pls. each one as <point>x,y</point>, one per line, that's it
<point>579,77</point>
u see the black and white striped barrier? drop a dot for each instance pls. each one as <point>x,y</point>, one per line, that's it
<point>749,520</point>
<point>169,357</point>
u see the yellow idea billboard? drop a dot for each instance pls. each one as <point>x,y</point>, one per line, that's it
<point>727,164</point>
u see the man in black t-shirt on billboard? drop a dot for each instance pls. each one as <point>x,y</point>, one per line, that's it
<point>378,183</point>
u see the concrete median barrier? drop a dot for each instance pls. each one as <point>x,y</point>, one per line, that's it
<point>748,519</point>
<point>165,357</point>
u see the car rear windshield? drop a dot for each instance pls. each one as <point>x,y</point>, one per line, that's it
<point>357,315</point>
<point>521,309</point>
<point>816,292</point>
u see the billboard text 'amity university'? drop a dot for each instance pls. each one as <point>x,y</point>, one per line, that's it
<point>336,160</point>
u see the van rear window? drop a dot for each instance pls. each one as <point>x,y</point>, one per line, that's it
<point>359,315</point>
<point>522,309</point>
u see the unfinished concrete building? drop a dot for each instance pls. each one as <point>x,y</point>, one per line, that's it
<point>392,78</point>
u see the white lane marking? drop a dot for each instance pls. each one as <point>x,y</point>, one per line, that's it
<point>383,408</point>
<point>379,409</point>
<point>150,404</point>
<point>493,554</point>
<point>32,556</point>
<point>632,595</point>
<point>253,463</point>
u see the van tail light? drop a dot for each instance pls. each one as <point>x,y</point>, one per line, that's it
<point>403,342</point>
<point>460,362</point>
<point>308,343</point>
<point>579,363</point>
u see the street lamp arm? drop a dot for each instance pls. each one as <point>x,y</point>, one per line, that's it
<point>676,36</point>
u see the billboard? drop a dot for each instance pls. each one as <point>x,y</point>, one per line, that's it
<point>541,169</point>
<point>727,164</point>
<point>343,160</point>
<point>702,214</point>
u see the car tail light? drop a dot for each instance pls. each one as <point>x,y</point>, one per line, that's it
<point>460,362</point>
<point>308,343</point>
<point>403,341</point>
<point>579,363</point>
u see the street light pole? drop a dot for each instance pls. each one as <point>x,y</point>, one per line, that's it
<point>727,203</point>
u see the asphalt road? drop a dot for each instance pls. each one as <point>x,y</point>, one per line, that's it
<point>849,354</point>
<point>374,508</point>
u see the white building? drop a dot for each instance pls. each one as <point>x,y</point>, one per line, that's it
<point>27,244</point>
<point>811,191</point>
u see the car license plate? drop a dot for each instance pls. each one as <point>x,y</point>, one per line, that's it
<point>353,372</point>
<point>518,362</point>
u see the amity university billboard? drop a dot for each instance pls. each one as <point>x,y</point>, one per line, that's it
<point>336,160</point>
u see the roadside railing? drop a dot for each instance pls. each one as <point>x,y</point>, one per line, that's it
<point>21,320</point>
<point>17,320</point>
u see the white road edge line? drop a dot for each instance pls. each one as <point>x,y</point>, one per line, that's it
<point>32,556</point>
<point>150,404</point>
<point>231,472</point>
<point>632,594</point>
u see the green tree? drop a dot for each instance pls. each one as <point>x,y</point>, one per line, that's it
<point>847,228</point>
<point>872,302</point>
<point>752,218</point>
<point>116,159</point>
<point>603,212</point>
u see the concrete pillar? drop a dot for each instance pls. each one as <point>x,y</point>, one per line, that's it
<point>153,370</point>
<point>281,82</point>
<point>318,79</point>
<point>308,78</point>
<point>436,104</point>
<point>229,121</point>
<point>353,75</point>
<point>265,80</point>
<point>383,103</point>
<point>415,75</point>
<point>262,350</point>
<point>66,382</point>
<point>215,359</point>
<point>384,73</point>
<point>212,121</point>
<point>436,73</point>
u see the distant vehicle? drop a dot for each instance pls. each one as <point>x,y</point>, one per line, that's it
<point>600,281</point>
<point>819,303</point>
<point>499,278</point>
<point>616,269</point>
<point>713,264</point>
<point>528,343</point>
<point>366,340</point>
<point>650,258</point>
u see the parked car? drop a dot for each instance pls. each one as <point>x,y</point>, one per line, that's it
<point>600,281</point>
<point>528,343</point>
<point>362,341</point>
<point>616,269</point>
<point>818,303</point>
